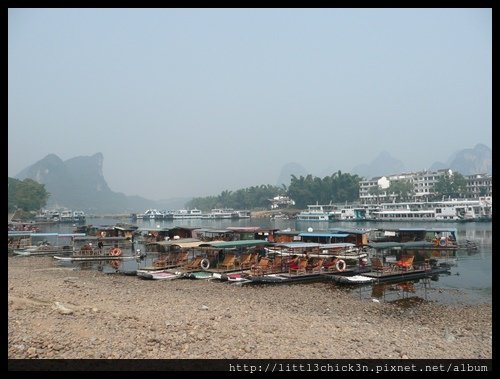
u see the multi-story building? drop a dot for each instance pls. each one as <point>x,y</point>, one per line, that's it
<point>424,182</point>
<point>478,185</point>
<point>375,190</point>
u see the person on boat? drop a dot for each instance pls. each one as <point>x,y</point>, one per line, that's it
<point>100,245</point>
<point>293,263</point>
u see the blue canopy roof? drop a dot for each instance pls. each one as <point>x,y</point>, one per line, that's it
<point>350,231</point>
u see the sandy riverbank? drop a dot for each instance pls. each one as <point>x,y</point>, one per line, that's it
<point>64,313</point>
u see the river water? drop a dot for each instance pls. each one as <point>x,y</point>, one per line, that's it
<point>470,280</point>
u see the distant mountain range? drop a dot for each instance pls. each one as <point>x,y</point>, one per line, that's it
<point>78,183</point>
<point>477,160</point>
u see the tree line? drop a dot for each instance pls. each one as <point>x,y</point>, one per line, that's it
<point>30,196</point>
<point>336,188</point>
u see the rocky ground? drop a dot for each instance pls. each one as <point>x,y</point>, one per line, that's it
<point>57,312</point>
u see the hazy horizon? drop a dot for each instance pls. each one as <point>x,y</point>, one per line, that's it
<point>191,102</point>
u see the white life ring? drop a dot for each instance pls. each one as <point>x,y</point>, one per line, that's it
<point>340,265</point>
<point>442,242</point>
<point>205,264</point>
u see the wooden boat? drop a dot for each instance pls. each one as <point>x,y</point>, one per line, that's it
<point>393,276</point>
<point>43,250</point>
<point>159,275</point>
<point>236,276</point>
<point>28,243</point>
<point>82,258</point>
<point>199,275</point>
<point>416,238</point>
<point>286,277</point>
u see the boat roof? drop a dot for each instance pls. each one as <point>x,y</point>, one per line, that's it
<point>209,230</point>
<point>409,244</point>
<point>187,245</point>
<point>287,232</point>
<point>182,242</point>
<point>144,229</point>
<point>312,234</point>
<point>245,228</point>
<point>297,245</point>
<point>28,234</point>
<point>350,231</point>
<point>441,229</point>
<point>233,244</point>
<point>126,227</point>
<point>185,227</point>
<point>334,245</point>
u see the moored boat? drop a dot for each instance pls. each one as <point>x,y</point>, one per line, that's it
<point>159,274</point>
<point>394,276</point>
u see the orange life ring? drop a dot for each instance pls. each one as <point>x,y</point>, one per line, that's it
<point>115,252</point>
<point>115,264</point>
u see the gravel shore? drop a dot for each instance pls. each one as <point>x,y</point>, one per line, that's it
<point>57,312</point>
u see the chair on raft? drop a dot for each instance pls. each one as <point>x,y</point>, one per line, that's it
<point>405,263</point>
<point>330,263</point>
<point>181,258</point>
<point>246,260</point>
<point>229,262</point>
<point>194,264</point>
<point>276,264</point>
<point>261,267</point>
<point>299,267</point>
<point>378,265</point>
<point>316,265</point>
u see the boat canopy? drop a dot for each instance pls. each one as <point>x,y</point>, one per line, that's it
<point>350,231</point>
<point>126,227</point>
<point>233,244</point>
<point>287,233</point>
<point>407,245</point>
<point>182,242</point>
<point>451,230</point>
<point>334,245</point>
<point>298,245</point>
<point>139,230</point>
<point>27,234</point>
<point>245,229</point>
<point>336,235</point>
<point>219,231</point>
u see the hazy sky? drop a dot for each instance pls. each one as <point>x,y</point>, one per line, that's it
<point>191,102</point>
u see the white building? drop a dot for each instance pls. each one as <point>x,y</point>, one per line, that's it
<point>281,202</point>
<point>423,185</point>
<point>479,185</point>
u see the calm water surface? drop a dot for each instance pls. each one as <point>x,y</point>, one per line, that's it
<point>470,280</point>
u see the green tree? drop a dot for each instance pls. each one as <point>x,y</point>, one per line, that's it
<point>336,188</point>
<point>375,191</point>
<point>402,189</point>
<point>453,185</point>
<point>27,195</point>
<point>246,198</point>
